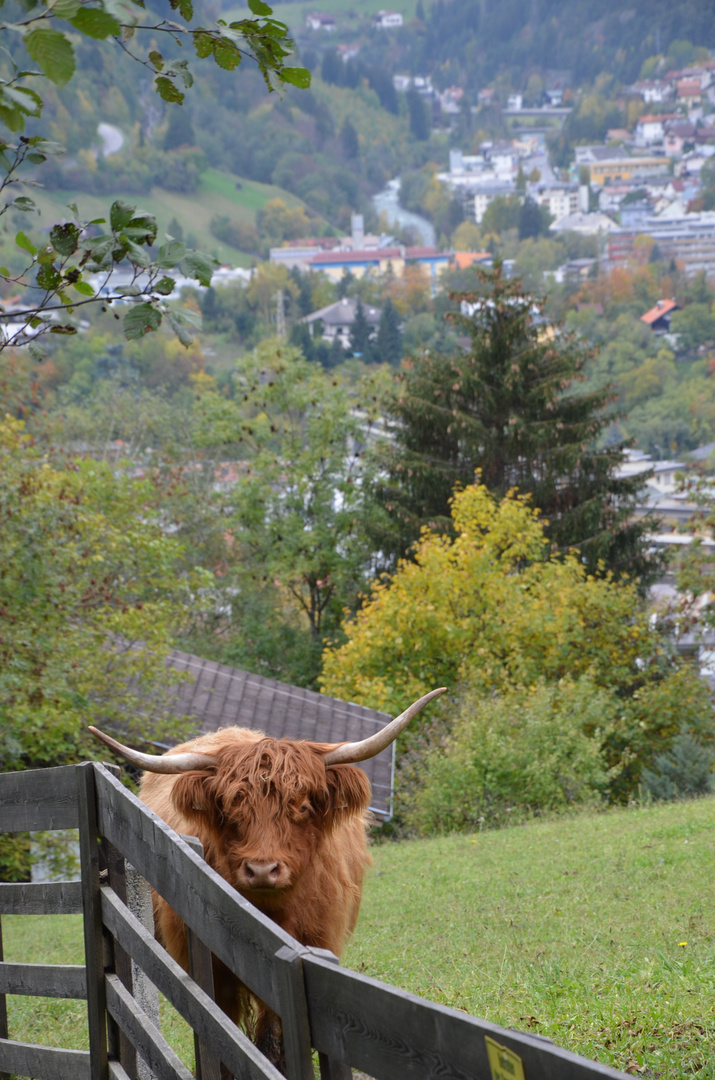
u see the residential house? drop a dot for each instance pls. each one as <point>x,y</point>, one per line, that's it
<point>318,20</point>
<point>336,320</point>
<point>515,102</point>
<point>658,318</point>
<point>689,92</point>
<point>559,199</point>
<point>486,193</point>
<point>586,224</point>
<point>653,91</point>
<point>676,137</point>
<point>387,20</point>
<point>650,129</point>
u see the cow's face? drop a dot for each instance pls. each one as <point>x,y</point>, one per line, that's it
<point>264,809</point>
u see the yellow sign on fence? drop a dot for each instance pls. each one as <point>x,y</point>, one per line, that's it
<point>504,1063</point>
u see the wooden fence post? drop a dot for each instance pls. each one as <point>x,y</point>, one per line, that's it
<point>294,1015</point>
<point>145,993</point>
<point>3,1009</point>
<point>208,1066</point>
<point>93,936</point>
<point>330,1068</point>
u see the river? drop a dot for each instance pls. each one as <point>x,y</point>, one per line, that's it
<point>388,202</point>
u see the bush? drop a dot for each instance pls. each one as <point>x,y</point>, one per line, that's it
<point>685,770</point>
<point>524,752</point>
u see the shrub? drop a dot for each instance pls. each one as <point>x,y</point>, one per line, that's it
<point>684,770</point>
<point>524,752</point>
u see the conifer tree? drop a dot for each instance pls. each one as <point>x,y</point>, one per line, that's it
<point>388,343</point>
<point>360,334</point>
<point>508,405</point>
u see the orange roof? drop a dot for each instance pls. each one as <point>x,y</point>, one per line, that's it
<point>663,307</point>
<point>465,259</point>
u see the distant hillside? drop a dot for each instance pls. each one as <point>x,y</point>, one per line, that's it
<point>472,40</point>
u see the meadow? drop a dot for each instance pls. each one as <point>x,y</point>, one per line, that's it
<point>217,194</point>
<point>596,930</point>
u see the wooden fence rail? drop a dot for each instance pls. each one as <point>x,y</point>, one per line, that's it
<point>351,1020</point>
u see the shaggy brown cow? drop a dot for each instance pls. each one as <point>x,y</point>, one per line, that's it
<point>284,822</point>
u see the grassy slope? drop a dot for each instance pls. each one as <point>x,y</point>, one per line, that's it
<point>572,928</point>
<point>345,12</point>
<point>217,194</point>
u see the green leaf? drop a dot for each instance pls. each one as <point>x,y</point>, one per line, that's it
<point>4,272</point>
<point>168,90</point>
<point>226,55</point>
<point>64,238</point>
<point>136,254</point>
<point>96,23</point>
<point>203,44</point>
<point>141,320</point>
<point>65,9</point>
<point>157,59</point>
<point>24,203</point>
<point>53,53</point>
<point>25,243</point>
<point>199,266</point>
<point>48,278</point>
<point>84,288</point>
<point>164,286</point>
<point>170,254</point>
<point>296,76</point>
<point>120,215</point>
<point>35,158</point>
<point>184,7</point>
<point>179,328</point>
<point>259,8</point>
<point>46,255</point>
<point>66,329</point>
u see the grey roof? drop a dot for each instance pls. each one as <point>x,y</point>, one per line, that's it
<point>343,312</point>
<point>221,696</point>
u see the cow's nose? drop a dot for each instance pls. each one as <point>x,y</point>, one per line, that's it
<point>262,875</point>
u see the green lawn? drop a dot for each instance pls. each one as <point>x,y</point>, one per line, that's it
<point>349,14</point>
<point>597,931</point>
<point>217,194</point>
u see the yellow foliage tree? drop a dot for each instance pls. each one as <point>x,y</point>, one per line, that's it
<point>493,609</point>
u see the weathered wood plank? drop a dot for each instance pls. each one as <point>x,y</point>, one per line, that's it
<point>38,799</point>
<point>43,1062</point>
<point>146,1037</point>
<point>208,1066</point>
<point>89,843</point>
<point>391,1034</point>
<point>41,898</point>
<point>3,1010</point>
<point>44,980</point>
<point>230,1045</point>
<point>234,930</point>
<point>294,1016</point>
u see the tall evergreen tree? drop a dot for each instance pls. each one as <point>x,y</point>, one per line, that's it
<point>388,343</point>
<point>360,342</point>
<point>509,406</point>
<point>349,140</point>
<point>419,121</point>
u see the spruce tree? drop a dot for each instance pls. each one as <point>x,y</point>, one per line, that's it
<point>360,342</point>
<point>388,343</point>
<point>508,405</point>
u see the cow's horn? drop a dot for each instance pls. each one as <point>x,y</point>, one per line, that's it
<point>164,763</point>
<point>350,753</point>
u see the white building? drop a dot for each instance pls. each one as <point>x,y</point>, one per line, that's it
<point>318,20</point>
<point>487,193</point>
<point>559,199</point>
<point>387,20</point>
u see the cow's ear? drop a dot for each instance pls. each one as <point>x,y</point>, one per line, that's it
<point>349,791</point>
<point>190,795</point>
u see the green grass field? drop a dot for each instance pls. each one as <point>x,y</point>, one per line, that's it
<point>597,931</point>
<point>217,194</point>
<point>349,14</point>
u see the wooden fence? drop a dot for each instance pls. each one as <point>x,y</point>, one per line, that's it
<point>351,1020</point>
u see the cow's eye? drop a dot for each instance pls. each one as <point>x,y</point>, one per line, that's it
<point>304,809</point>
